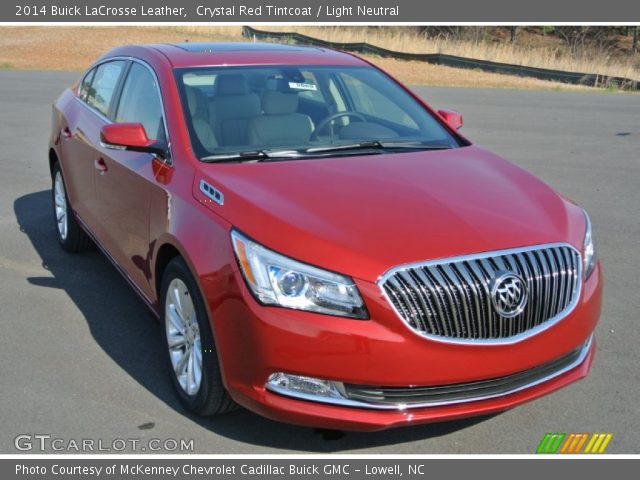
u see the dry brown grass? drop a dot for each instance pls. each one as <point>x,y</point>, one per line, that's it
<point>532,52</point>
<point>74,48</point>
<point>418,73</point>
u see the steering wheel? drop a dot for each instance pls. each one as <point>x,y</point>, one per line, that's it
<point>332,118</point>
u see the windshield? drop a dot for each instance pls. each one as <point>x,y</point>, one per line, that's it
<point>302,111</point>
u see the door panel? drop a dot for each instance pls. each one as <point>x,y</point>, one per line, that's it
<point>77,152</point>
<point>80,136</point>
<point>126,183</point>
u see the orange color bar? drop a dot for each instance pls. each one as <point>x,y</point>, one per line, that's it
<point>567,442</point>
<point>581,442</point>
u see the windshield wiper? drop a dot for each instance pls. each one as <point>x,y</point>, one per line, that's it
<point>378,145</point>
<point>251,155</point>
<point>235,156</point>
<point>414,145</point>
<point>374,146</point>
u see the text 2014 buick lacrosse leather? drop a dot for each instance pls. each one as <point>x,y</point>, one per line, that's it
<point>321,247</point>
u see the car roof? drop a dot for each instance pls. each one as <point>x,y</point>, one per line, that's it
<point>194,54</point>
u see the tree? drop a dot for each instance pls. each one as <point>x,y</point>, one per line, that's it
<point>579,38</point>
<point>456,32</point>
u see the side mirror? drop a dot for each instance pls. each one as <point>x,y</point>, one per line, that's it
<point>133,137</point>
<point>453,118</point>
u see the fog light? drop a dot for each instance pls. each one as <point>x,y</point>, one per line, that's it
<point>304,387</point>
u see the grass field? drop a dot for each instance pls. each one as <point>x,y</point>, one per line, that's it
<point>74,48</point>
<point>533,50</point>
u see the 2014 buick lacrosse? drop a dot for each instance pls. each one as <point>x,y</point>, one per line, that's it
<point>321,246</point>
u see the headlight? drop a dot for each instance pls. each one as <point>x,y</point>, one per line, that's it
<point>589,250</point>
<point>278,280</point>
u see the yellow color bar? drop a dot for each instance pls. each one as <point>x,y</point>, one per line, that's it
<point>606,441</point>
<point>598,443</point>
<point>591,442</point>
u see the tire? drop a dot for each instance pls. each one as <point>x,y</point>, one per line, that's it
<point>71,236</point>
<point>201,392</point>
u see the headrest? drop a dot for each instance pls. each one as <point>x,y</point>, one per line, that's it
<point>231,84</point>
<point>276,103</point>
<point>278,84</point>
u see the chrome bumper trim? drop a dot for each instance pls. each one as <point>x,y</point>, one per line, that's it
<point>351,402</point>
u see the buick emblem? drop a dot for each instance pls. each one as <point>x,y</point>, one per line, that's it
<point>508,294</point>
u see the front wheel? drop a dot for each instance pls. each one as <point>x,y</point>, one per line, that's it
<point>195,369</point>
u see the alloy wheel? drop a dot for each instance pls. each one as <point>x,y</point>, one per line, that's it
<point>60,201</point>
<point>183,337</point>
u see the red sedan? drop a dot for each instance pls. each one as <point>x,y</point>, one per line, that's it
<point>320,246</point>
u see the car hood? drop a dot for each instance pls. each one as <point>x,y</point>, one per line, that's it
<point>362,215</point>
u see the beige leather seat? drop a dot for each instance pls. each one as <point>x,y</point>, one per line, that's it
<point>280,124</point>
<point>199,109</point>
<point>232,108</point>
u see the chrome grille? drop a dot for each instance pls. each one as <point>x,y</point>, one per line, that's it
<point>451,299</point>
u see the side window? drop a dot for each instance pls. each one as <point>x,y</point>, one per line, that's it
<point>85,86</point>
<point>104,84</point>
<point>368,100</point>
<point>140,102</point>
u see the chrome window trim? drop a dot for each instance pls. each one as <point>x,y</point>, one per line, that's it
<point>168,161</point>
<point>477,256</point>
<point>346,402</point>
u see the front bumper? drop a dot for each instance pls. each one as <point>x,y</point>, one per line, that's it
<point>255,341</point>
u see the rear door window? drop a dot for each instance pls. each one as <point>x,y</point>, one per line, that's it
<point>104,84</point>
<point>85,86</point>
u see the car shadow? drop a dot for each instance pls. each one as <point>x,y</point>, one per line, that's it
<point>123,327</point>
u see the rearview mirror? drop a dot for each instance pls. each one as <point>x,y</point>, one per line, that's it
<point>133,137</point>
<point>453,118</point>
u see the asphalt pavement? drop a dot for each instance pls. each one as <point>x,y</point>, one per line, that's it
<point>80,357</point>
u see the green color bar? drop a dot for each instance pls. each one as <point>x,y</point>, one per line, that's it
<point>543,443</point>
<point>550,442</point>
<point>557,443</point>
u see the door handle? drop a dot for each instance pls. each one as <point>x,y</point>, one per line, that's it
<point>100,165</point>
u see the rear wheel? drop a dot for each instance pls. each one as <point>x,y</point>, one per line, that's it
<point>70,235</point>
<point>195,370</point>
